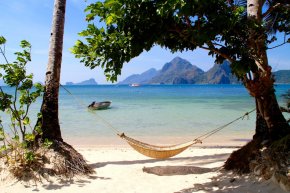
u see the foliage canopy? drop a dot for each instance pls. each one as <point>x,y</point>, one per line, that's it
<point>219,26</point>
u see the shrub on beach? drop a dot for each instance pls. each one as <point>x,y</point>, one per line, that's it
<point>18,152</point>
<point>22,153</point>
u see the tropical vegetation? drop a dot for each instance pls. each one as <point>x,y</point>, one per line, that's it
<point>240,32</point>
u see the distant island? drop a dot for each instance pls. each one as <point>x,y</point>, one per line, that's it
<point>181,71</point>
<point>85,82</point>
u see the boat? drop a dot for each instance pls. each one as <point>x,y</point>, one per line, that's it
<point>135,85</point>
<point>99,105</point>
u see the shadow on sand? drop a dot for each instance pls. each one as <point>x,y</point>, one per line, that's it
<point>62,183</point>
<point>227,182</point>
<point>176,166</point>
<point>190,161</point>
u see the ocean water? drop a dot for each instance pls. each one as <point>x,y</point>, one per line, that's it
<point>155,110</point>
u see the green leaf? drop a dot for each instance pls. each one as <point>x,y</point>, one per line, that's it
<point>38,129</point>
<point>20,59</point>
<point>39,115</point>
<point>2,40</point>
<point>109,20</point>
<point>30,156</point>
<point>38,86</point>
<point>2,134</point>
<point>47,143</point>
<point>25,44</point>
<point>29,137</point>
<point>3,148</point>
<point>26,121</point>
<point>16,138</point>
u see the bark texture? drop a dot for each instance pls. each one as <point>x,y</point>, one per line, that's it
<point>49,108</point>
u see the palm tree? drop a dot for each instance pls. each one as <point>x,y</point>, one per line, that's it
<point>49,108</point>
<point>74,162</point>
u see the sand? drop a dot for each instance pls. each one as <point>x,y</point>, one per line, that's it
<point>119,169</point>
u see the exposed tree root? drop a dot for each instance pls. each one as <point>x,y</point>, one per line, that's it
<point>268,162</point>
<point>73,162</point>
<point>60,160</point>
<point>239,160</point>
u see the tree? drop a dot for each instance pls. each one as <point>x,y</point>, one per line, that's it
<point>74,162</point>
<point>49,108</point>
<point>238,31</point>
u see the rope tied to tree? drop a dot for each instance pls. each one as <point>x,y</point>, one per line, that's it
<point>210,133</point>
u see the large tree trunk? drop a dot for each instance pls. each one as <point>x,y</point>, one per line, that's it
<point>74,162</point>
<point>262,130</point>
<point>270,111</point>
<point>262,85</point>
<point>49,108</point>
<point>270,122</point>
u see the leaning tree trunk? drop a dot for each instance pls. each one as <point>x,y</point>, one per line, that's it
<point>74,162</point>
<point>270,111</point>
<point>49,108</point>
<point>270,122</point>
<point>262,85</point>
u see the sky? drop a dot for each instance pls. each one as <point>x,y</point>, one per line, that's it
<point>31,20</point>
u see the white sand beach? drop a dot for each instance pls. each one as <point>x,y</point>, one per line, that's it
<point>119,169</point>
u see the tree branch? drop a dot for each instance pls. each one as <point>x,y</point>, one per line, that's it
<point>285,42</point>
<point>277,45</point>
<point>217,51</point>
<point>3,54</point>
<point>271,9</point>
<point>187,21</point>
<point>217,44</point>
<point>212,48</point>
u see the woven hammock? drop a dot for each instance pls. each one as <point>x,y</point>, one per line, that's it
<point>158,152</point>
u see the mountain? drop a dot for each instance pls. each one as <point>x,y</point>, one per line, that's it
<point>140,78</point>
<point>282,76</point>
<point>218,74</point>
<point>86,82</point>
<point>178,71</point>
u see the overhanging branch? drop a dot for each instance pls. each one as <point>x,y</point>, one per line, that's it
<point>271,9</point>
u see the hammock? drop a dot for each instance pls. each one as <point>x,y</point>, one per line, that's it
<point>161,152</point>
<point>158,152</point>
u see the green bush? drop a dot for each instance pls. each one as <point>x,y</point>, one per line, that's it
<point>17,141</point>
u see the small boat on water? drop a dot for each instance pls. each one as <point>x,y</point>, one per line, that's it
<point>99,105</point>
<point>135,85</point>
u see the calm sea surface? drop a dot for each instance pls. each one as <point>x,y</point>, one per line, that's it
<point>156,110</point>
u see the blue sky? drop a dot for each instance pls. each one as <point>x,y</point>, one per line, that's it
<point>31,20</point>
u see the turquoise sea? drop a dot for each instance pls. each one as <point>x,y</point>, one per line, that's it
<point>156,110</point>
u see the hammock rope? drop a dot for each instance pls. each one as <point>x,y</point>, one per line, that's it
<point>154,151</point>
<point>82,103</point>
